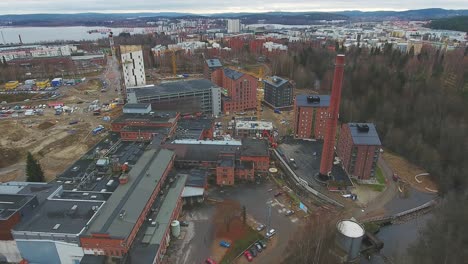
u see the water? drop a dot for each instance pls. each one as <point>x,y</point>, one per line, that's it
<point>397,238</point>
<point>47,34</point>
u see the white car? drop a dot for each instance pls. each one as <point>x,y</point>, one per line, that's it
<point>270,233</point>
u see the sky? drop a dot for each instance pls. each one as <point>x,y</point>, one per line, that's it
<point>217,6</point>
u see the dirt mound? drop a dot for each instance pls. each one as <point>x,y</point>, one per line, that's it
<point>9,156</point>
<point>45,125</point>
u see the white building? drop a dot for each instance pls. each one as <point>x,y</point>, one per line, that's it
<point>233,26</point>
<point>133,65</point>
<point>271,46</point>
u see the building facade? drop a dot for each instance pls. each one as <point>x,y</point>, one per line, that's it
<point>233,26</point>
<point>133,65</point>
<point>239,90</point>
<point>278,92</point>
<point>359,149</point>
<point>209,67</point>
<point>310,115</point>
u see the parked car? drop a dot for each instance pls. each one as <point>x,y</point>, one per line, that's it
<point>262,243</point>
<point>259,247</point>
<point>260,227</point>
<point>75,169</point>
<point>253,251</point>
<point>184,223</point>
<point>248,256</point>
<point>224,244</point>
<point>289,212</point>
<point>278,194</point>
<point>270,233</point>
<point>210,261</point>
<point>293,163</point>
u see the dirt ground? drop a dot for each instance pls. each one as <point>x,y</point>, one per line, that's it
<point>407,172</point>
<point>50,138</point>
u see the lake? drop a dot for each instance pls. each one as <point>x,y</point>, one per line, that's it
<point>47,34</point>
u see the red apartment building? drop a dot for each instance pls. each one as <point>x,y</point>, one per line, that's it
<point>240,90</point>
<point>359,148</point>
<point>210,66</point>
<point>225,170</point>
<point>310,115</point>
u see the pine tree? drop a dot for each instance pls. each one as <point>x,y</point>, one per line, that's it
<point>4,62</point>
<point>34,171</point>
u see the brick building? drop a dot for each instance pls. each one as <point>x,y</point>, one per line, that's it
<point>211,65</point>
<point>279,92</point>
<point>225,169</point>
<point>310,115</point>
<point>359,149</point>
<point>239,91</point>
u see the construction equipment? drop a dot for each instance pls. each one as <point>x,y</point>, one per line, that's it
<point>173,59</point>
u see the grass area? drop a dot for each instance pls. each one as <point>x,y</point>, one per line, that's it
<point>371,227</point>
<point>294,197</point>
<point>240,245</point>
<point>379,175</point>
<point>278,181</point>
<point>376,187</point>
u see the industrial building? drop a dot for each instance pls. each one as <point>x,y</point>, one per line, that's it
<point>239,90</point>
<point>310,116</point>
<point>113,230</point>
<point>252,128</point>
<point>233,26</point>
<point>359,149</point>
<point>278,92</point>
<point>133,65</point>
<point>137,109</point>
<point>184,96</point>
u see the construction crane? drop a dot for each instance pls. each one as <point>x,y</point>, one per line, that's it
<point>173,59</point>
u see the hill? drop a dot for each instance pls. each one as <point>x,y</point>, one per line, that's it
<point>419,14</point>
<point>459,23</point>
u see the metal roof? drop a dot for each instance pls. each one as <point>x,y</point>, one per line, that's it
<point>192,191</point>
<point>254,147</point>
<point>130,199</point>
<point>232,74</point>
<point>364,137</point>
<point>136,106</point>
<point>301,100</point>
<point>213,63</point>
<point>172,88</point>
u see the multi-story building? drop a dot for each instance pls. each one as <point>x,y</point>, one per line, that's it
<point>239,90</point>
<point>359,149</point>
<point>279,92</point>
<point>233,26</point>
<point>244,129</point>
<point>184,96</point>
<point>310,115</point>
<point>133,65</point>
<point>210,67</point>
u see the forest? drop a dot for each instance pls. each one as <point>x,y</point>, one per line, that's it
<point>458,23</point>
<point>419,103</point>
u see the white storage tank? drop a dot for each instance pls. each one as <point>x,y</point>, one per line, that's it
<point>175,228</point>
<point>349,238</point>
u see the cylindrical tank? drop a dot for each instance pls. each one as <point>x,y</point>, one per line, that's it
<point>349,238</point>
<point>175,228</point>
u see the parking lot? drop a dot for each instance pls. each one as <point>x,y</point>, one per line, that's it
<point>198,240</point>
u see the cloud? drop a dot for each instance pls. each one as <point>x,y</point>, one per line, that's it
<point>216,6</point>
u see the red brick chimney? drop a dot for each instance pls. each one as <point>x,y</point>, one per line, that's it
<point>326,162</point>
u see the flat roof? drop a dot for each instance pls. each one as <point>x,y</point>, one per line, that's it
<point>196,123</point>
<point>10,203</point>
<point>275,81</point>
<point>232,74</point>
<point>163,130</point>
<point>136,106</point>
<point>129,48</point>
<point>190,191</point>
<point>361,137</point>
<point>301,100</point>
<point>254,147</point>
<point>197,178</point>
<point>200,152</point>
<point>254,125</point>
<point>172,88</point>
<point>208,142</point>
<point>59,212</point>
<point>157,117</point>
<point>130,199</point>
<point>350,228</point>
<point>213,63</point>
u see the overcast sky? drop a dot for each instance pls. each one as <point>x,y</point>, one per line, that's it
<point>216,6</point>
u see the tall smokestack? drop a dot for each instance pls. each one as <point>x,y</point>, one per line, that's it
<point>326,162</point>
<point>20,40</point>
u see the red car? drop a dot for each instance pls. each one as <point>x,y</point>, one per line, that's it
<point>248,256</point>
<point>209,261</point>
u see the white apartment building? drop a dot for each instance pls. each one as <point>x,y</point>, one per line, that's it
<point>133,65</point>
<point>233,26</point>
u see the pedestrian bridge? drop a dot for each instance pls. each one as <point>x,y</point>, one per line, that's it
<point>402,216</point>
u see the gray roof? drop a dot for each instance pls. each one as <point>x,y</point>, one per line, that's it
<point>232,74</point>
<point>154,234</point>
<point>254,147</point>
<point>301,100</point>
<point>10,203</point>
<point>157,117</point>
<point>53,212</point>
<point>197,178</point>
<point>136,106</point>
<point>362,137</point>
<point>209,153</point>
<point>132,197</point>
<point>173,88</point>
<point>213,63</point>
<point>278,83</point>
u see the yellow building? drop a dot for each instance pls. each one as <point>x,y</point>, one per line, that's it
<point>43,84</point>
<point>11,85</point>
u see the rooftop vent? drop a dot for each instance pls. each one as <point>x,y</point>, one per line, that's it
<point>74,207</point>
<point>122,213</point>
<point>313,99</point>
<point>56,227</point>
<point>276,79</point>
<point>363,128</point>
